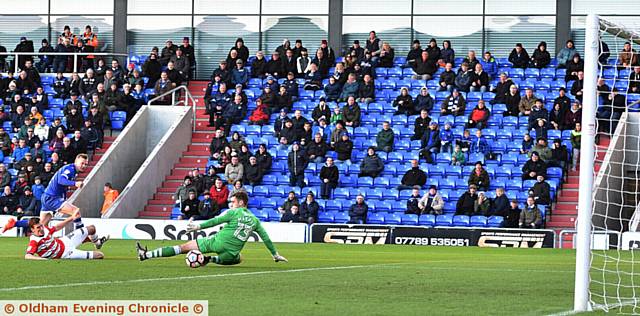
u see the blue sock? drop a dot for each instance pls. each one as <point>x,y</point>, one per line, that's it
<point>22,223</point>
<point>77,223</point>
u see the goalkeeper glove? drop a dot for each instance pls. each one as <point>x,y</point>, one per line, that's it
<point>277,258</point>
<point>191,227</point>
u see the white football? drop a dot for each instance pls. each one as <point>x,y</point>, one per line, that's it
<point>194,259</point>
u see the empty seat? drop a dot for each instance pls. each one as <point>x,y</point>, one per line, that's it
<point>478,221</point>
<point>427,220</point>
<point>444,220</point>
<point>460,220</point>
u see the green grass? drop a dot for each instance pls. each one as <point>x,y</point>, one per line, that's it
<point>398,280</point>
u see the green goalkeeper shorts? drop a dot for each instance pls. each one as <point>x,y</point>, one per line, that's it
<point>210,244</point>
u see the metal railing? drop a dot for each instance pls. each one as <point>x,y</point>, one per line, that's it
<point>183,100</point>
<point>75,57</point>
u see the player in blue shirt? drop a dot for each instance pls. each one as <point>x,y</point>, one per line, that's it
<point>55,195</point>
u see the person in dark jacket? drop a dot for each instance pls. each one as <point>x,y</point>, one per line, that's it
<point>332,90</point>
<point>413,203</point>
<point>447,78</point>
<point>501,89</point>
<point>404,103</point>
<point>530,216</point>
<point>358,211</point>
<point>329,176</point>
<point>454,104</point>
<point>291,216</point>
<point>425,67</point>
<point>479,79</point>
<point>385,138</point>
<point>512,101</point>
<point>275,67</point>
<point>317,149</point>
<point>321,111</point>
<point>575,65</point>
<point>46,61</point>
<point>447,54</point>
<point>264,158</point>
<point>511,215</point>
<point>243,51</point>
<point>371,165</point>
<point>343,148</point>
<point>464,78</point>
<point>421,125</point>
<point>541,191</point>
<point>297,162</point>
<point>207,208</point>
<point>541,57</point>
<point>430,142</point>
<point>259,66</point>
<point>413,55</point>
<point>309,209</point>
<point>465,204</point>
<point>500,204</point>
<point>537,112</point>
<point>519,57</point>
<point>189,207</point>
<point>234,113</point>
<point>252,172</point>
<point>25,46</point>
<point>423,101</point>
<point>352,113</point>
<point>367,90</point>
<point>534,167</point>
<point>413,177</point>
<point>479,177</point>
<point>559,155</point>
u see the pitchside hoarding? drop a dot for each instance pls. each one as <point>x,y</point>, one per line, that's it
<point>427,236</point>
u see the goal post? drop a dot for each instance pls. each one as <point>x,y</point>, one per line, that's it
<point>587,163</point>
<point>608,278</point>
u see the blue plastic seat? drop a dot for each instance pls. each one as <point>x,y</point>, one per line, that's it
<point>478,221</point>
<point>340,193</point>
<point>408,219</point>
<point>375,218</point>
<point>460,220</point>
<point>495,221</point>
<point>326,217</point>
<point>427,220</point>
<point>392,219</point>
<point>341,217</point>
<point>444,220</point>
<point>274,216</point>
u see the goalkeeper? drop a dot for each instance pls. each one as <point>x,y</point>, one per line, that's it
<point>227,243</point>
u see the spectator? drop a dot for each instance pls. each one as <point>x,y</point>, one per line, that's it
<point>282,100</point>
<point>519,57</point>
<point>413,55</point>
<point>471,60</point>
<point>634,81</point>
<point>447,78</point>
<point>458,158</point>
<point>60,61</point>
<point>321,111</point>
<point>343,148</point>
<point>329,179</point>
<point>219,193</point>
<point>511,215</point>
<point>182,64</point>
<point>292,86</point>
<point>541,128</point>
<point>489,65</point>
<point>576,136</point>
<point>454,104</point>
<point>289,62</point>
<point>542,149</point>
<point>209,179</point>
<point>264,159</point>
<point>404,103</point>
<point>234,171</point>
<point>609,112</point>
<point>260,116</point>
<point>152,69</point>
<point>534,167</point>
<point>358,211</point>
<point>464,78</point>
<point>537,112</point>
<point>387,54</point>
<point>237,187</point>
<point>527,102</point>
<point>303,64</point>
<point>8,201</point>
<point>479,177</point>
<point>530,216</point>
<point>578,86</point>
<point>309,209</point>
<point>5,176</point>
<point>565,54</point>
<point>479,116</point>
<point>628,57</point>
<point>313,78</point>
<point>163,85</point>
<point>434,52</point>
<point>350,88</point>
<point>447,54</point>
<point>421,125</point>
<point>288,203</point>
<point>182,192</point>
<point>432,202</point>
<point>239,75</point>
<point>482,206</point>
<point>559,156</point>
<point>297,162</point>
<point>479,79</point>
<point>317,149</point>
<point>234,113</point>
<point>512,101</point>
<point>424,67</point>
<point>367,90</point>
<point>500,203</point>
<point>207,208</point>
<point>168,51</point>
<point>466,202</point>
<point>328,52</point>
<point>339,74</point>
<point>292,216</point>
<point>38,187</point>
<point>541,57</point>
<point>356,50</point>
<point>385,138</point>
<point>371,165</point>
<point>430,142</point>
<point>413,177</point>
<point>502,89</point>
<point>446,138</point>
<point>332,90</point>
<point>575,65</point>
<point>556,117</point>
<point>189,207</point>
<point>479,145</point>
<point>352,113</point>
<point>413,201</point>
<point>541,191</point>
<point>423,101</point>
<point>78,143</point>
<point>252,172</point>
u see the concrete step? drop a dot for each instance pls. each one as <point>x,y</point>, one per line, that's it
<point>566,206</point>
<point>194,160</point>
<point>158,208</point>
<point>569,212</point>
<point>166,202</point>
<point>154,215</point>
<point>568,193</point>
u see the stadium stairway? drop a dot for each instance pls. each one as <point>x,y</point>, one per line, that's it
<point>565,212</point>
<point>196,155</point>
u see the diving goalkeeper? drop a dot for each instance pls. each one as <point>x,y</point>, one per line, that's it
<point>227,243</point>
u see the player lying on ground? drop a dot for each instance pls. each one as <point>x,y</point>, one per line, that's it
<point>54,197</point>
<point>227,243</point>
<point>43,246</point>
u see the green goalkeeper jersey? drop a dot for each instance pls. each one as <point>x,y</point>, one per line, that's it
<point>240,223</point>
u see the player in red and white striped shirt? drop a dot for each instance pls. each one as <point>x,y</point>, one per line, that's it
<point>43,245</point>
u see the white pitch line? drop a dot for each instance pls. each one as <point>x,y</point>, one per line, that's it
<point>597,307</point>
<point>50,286</point>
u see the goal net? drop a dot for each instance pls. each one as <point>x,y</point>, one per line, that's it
<point>607,273</point>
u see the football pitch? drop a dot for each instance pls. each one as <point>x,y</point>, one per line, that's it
<point>320,279</point>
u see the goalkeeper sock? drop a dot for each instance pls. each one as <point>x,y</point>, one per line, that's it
<point>164,252</point>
